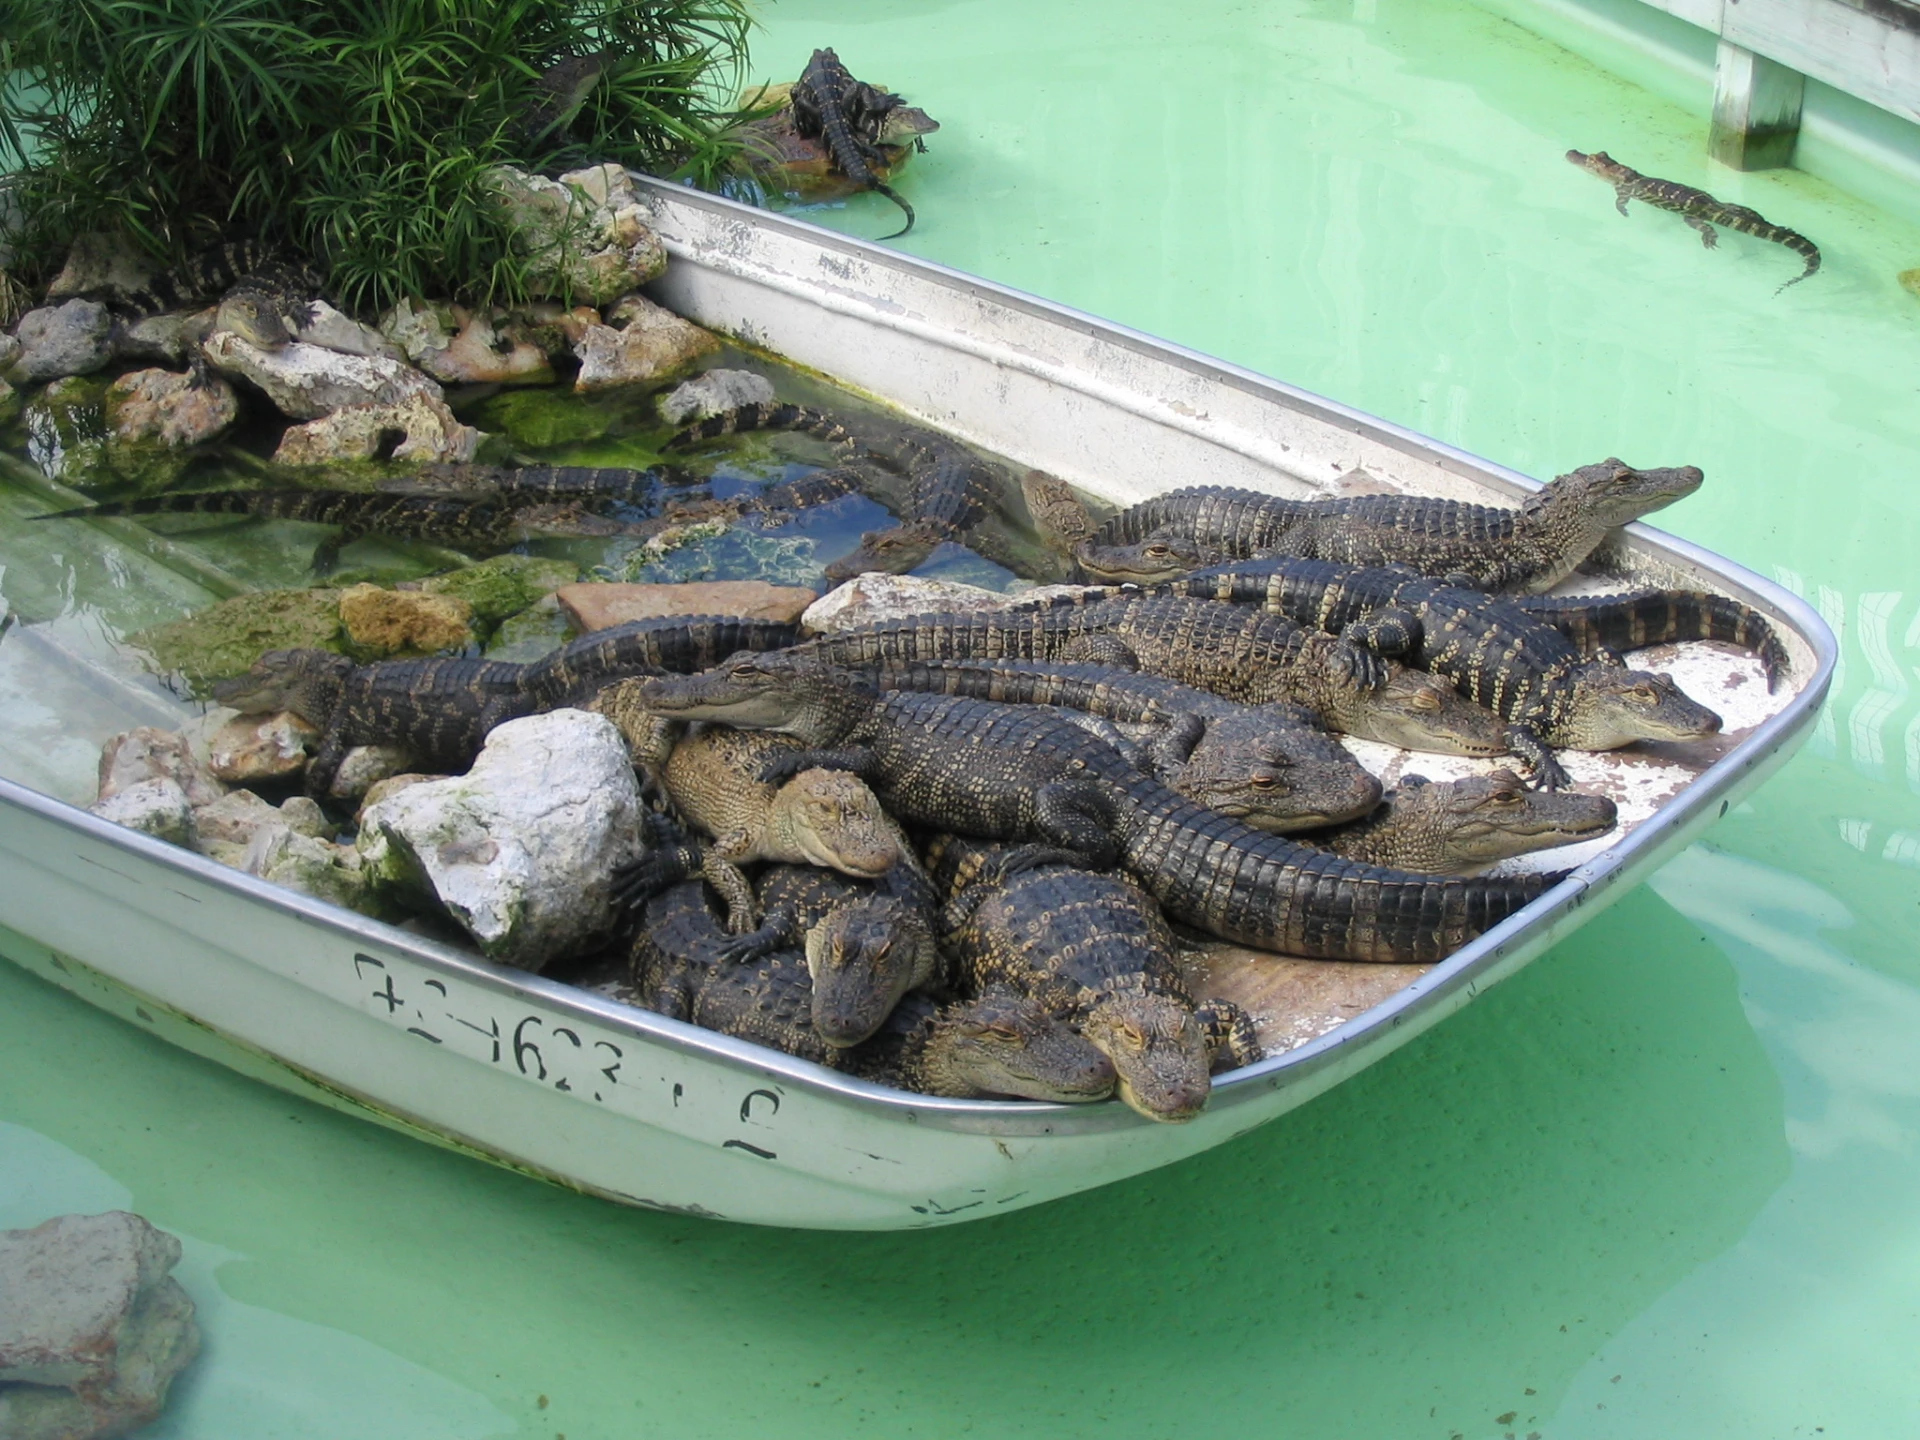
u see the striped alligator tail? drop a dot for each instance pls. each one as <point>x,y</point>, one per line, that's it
<point>771,416</point>
<point>1658,617</point>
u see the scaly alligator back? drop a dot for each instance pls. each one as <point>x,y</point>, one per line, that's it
<point>820,103</point>
<point>685,643</point>
<point>1699,209</point>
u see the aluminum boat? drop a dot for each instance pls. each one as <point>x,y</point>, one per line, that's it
<point>574,1087</point>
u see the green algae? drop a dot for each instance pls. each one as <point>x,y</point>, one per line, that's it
<point>503,586</point>
<point>225,639</point>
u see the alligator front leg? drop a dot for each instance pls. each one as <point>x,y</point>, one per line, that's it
<point>1392,630</point>
<point>1708,236</point>
<point>1231,1034</point>
<point>756,945</point>
<point>1537,756</point>
<point>722,871</point>
<point>1075,814</point>
<point>1621,195</point>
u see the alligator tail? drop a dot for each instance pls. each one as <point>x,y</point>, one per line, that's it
<point>1659,617</point>
<point>893,195</point>
<point>772,415</point>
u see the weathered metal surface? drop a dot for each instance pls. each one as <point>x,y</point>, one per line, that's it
<point>556,1081</point>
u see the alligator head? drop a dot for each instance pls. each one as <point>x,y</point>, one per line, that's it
<point>1159,1050</point>
<point>1417,712</point>
<point>791,691</point>
<point>307,682</point>
<point>255,317</point>
<point>863,957</point>
<point>1614,707</point>
<point>1611,492</point>
<point>1005,1043</point>
<point>1275,774</point>
<point>894,551</point>
<point>1145,562</point>
<point>1471,824</point>
<point>833,819</point>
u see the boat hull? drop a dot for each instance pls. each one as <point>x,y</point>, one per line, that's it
<point>575,1088</point>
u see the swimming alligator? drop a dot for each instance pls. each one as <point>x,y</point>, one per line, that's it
<point>1496,653</point>
<point>1095,951</point>
<point>1528,549</point>
<point>1021,773</point>
<point>441,710</point>
<point>1699,209</point>
<point>949,487</point>
<point>1000,1043</point>
<point>829,105</point>
<point>1463,827</point>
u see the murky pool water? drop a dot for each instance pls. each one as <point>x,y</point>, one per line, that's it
<point>1659,1185</point>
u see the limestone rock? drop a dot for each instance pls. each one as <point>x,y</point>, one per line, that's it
<point>504,585</point>
<point>156,807</point>
<point>874,597</point>
<point>100,262</point>
<point>161,406</point>
<point>427,429</point>
<point>481,355</point>
<point>596,606</point>
<point>144,753</point>
<point>224,829</point>
<point>391,621</point>
<point>653,342</point>
<point>326,327</point>
<point>520,850</point>
<point>9,351</point>
<point>93,1328</point>
<point>9,397</point>
<point>305,382</point>
<point>365,767</point>
<point>225,639</point>
<point>714,392</point>
<point>312,866</point>
<point>389,785</point>
<point>536,631</point>
<point>171,339</point>
<point>584,235</point>
<point>249,748</point>
<point>74,338</point>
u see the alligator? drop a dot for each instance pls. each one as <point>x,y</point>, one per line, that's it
<point>1608,624</point>
<point>1095,951</point>
<point>1236,653</point>
<point>478,523</point>
<point>829,105</point>
<point>949,488</point>
<point>557,95</point>
<point>1060,517</point>
<point>1000,1043</point>
<point>1699,209</point>
<point>440,710</point>
<point>1463,827</point>
<point>1022,773</point>
<point>1272,766</point>
<point>583,667</point>
<point>1496,653</point>
<point>816,817</point>
<point>1529,549</point>
<point>264,296</point>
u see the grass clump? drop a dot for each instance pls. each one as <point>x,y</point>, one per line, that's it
<point>359,131</point>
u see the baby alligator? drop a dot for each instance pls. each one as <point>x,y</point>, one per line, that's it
<point>1696,207</point>
<point>1463,827</point>
<point>1608,624</point>
<point>1528,549</point>
<point>440,710</point>
<point>1020,773</point>
<point>1093,949</point>
<point>998,1044</point>
<point>831,106</point>
<point>1522,669</point>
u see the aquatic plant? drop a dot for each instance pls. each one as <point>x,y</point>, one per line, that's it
<point>359,130</point>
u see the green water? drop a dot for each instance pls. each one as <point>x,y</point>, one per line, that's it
<point>1660,1185</point>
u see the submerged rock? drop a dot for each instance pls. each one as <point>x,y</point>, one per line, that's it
<point>74,338</point>
<point>583,236</point>
<point>648,343</point>
<point>412,621</point>
<point>66,428</point>
<point>225,639</point>
<point>520,850</point>
<point>713,393</point>
<point>93,1327</point>
<point>168,408</point>
<point>544,418</point>
<point>538,630</point>
<point>504,585</point>
<point>9,401</point>
<point>596,606</point>
<point>305,382</point>
<point>420,427</point>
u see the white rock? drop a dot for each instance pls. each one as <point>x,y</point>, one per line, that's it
<point>429,429</point>
<point>419,327</point>
<point>155,807</point>
<point>98,261</point>
<point>481,355</point>
<point>330,330</point>
<point>75,338</point>
<point>233,820</point>
<point>366,766</point>
<point>143,754</point>
<point>172,339</point>
<point>651,342</point>
<point>715,392</point>
<point>169,408</point>
<point>9,351</point>
<point>521,849</point>
<point>875,596</point>
<point>260,747</point>
<point>584,235</point>
<point>306,382</point>
<point>312,866</point>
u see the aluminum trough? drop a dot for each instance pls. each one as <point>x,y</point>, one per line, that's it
<point>581,1090</point>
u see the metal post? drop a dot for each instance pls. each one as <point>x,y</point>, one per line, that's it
<point>1756,110</point>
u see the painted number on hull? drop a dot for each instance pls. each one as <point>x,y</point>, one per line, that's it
<point>545,1052</point>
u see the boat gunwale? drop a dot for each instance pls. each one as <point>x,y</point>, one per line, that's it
<point>1428,998</point>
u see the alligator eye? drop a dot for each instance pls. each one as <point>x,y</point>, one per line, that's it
<point>1507,797</point>
<point>1424,700</point>
<point>747,668</point>
<point>1263,780</point>
<point>1644,694</point>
